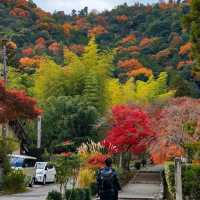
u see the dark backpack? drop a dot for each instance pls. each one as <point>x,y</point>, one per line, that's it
<point>106,180</point>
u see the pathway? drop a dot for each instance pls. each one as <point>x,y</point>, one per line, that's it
<point>146,185</point>
<point>37,192</point>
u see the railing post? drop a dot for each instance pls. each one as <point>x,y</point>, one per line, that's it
<point>178,178</point>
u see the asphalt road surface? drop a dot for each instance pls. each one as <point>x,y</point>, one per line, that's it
<point>37,192</point>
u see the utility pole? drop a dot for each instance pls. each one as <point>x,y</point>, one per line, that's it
<point>39,132</point>
<point>5,78</point>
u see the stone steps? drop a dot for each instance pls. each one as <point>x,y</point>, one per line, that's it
<point>147,178</point>
<point>145,185</point>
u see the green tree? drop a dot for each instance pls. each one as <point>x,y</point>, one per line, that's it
<point>87,74</point>
<point>191,22</point>
<point>68,118</point>
<point>19,80</point>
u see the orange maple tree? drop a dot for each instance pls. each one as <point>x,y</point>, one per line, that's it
<point>19,12</point>
<point>162,54</point>
<point>128,38</point>
<point>77,48</point>
<point>54,48</point>
<point>122,18</point>
<point>27,51</point>
<point>134,68</point>
<point>27,62</point>
<point>145,42</point>
<point>166,152</point>
<point>97,30</point>
<point>185,49</point>
<point>182,64</point>
<point>67,27</point>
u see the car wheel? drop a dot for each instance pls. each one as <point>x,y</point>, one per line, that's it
<point>44,180</point>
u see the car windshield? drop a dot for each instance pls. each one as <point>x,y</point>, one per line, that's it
<point>16,162</point>
<point>40,165</point>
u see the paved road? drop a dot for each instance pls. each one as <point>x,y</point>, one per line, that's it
<point>37,192</point>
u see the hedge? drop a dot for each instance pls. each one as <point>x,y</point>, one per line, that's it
<point>190,180</point>
<point>78,194</point>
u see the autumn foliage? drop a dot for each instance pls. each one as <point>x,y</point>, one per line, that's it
<point>166,152</point>
<point>19,12</point>
<point>134,68</point>
<point>98,30</point>
<point>77,48</point>
<point>176,124</point>
<point>27,62</point>
<point>54,48</point>
<point>27,52</point>
<point>67,28</point>
<point>145,42</point>
<point>182,64</point>
<point>131,129</point>
<point>122,18</point>
<point>185,49</point>
<point>128,38</point>
<point>16,104</point>
<point>97,160</point>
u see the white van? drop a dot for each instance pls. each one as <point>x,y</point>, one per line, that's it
<point>26,164</point>
<point>45,172</point>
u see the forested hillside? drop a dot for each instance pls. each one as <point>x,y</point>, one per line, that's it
<point>147,39</point>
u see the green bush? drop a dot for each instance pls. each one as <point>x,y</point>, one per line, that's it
<point>78,194</point>
<point>190,178</point>
<point>54,195</point>
<point>93,188</point>
<point>87,194</point>
<point>14,182</point>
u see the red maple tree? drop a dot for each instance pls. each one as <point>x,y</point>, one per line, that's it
<point>16,104</point>
<point>131,129</point>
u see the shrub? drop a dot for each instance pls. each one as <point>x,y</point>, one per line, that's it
<point>190,178</point>
<point>87,194</point>
<point>54,195</point>
<point>93,188</point>
<point>86,177</point>
<point>14,182</point>
<point>78,194</point>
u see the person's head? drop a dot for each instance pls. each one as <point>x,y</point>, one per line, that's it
<point>108,162</point>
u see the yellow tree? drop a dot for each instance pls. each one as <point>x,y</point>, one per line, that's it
<point>50,80</point>
<point>139,92</point>
<point>153,90</point>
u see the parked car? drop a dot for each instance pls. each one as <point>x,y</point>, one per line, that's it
<point>26,164</point>
<point>45,172</point>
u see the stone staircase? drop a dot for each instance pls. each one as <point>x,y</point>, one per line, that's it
<point>146,185</point>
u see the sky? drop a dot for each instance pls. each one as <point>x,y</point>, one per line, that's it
<point>68,5</point>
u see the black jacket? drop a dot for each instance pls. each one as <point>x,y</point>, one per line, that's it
<point>116,183</point>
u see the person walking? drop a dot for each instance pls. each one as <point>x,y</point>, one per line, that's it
<point>108,184</point>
